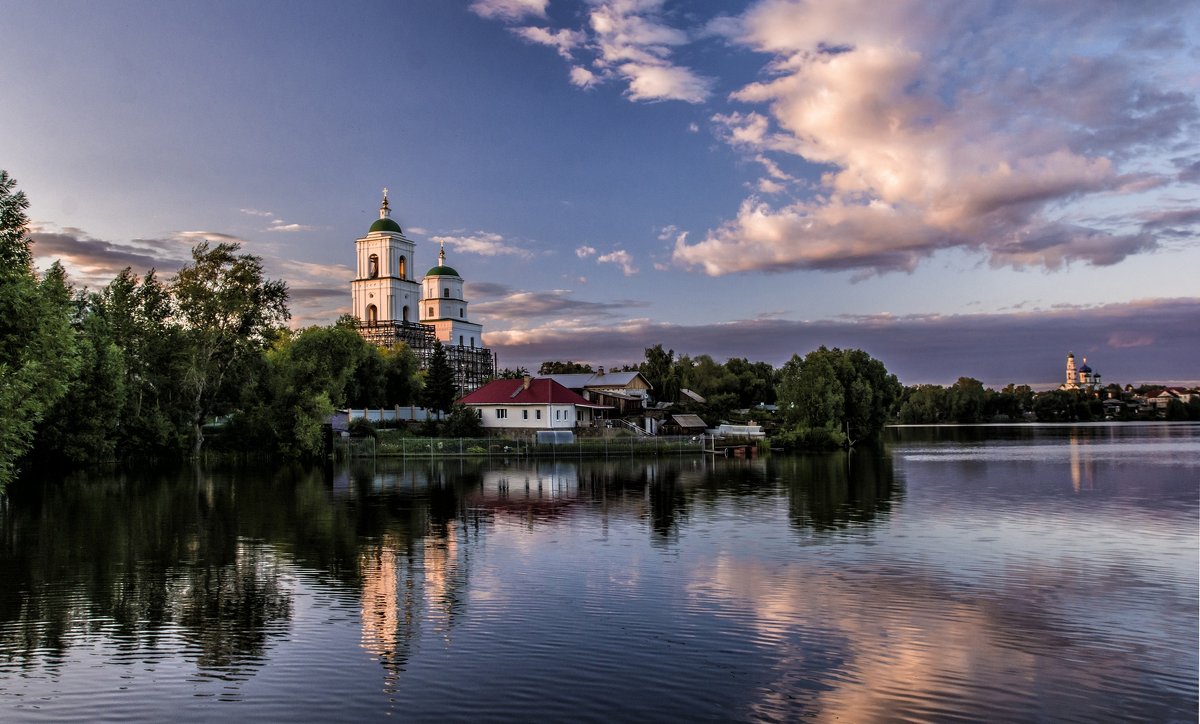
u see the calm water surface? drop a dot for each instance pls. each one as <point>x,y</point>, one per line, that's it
<point>993,573</point>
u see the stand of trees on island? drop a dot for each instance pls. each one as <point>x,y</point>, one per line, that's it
<point>147,368</point>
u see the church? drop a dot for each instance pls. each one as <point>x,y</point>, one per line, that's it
<point>1082,378</point>
<point>391,306</point>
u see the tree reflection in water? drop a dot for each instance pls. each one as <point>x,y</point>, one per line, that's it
<point>196,562</point>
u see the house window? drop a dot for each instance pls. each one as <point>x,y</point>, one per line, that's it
<point>373,266</point>
<point>524,414</point>
<point>403,268</point>
<point>501,413</point>
<point>446,292</point>
<point>539,414</point>
<point>579,416</point>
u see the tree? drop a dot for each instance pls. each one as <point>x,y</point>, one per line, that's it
<point>139,315</point>
<point>564,368</point>
<point>838,390</point>
<point>462,422</point>
<point>37,350</point>
<point>967,399</point>
<point>439,393</point>
<point>82,427</point>
<point>659,369</point>
<point>227,309</point>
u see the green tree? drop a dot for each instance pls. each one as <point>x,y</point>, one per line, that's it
<point>923,405</point>
<point>439,393</point>
<point>838,390</point>
<point>82,426</point>
<point>37,344</point>
<point>967,398</point>
<point>659,371</point>
<point>139,316</point>
<point>563,368</point>
<point>462,422</point>
<point>228,310</point>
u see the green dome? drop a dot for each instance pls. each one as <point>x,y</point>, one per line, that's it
<point>386,224</point>
<point>441,271</point>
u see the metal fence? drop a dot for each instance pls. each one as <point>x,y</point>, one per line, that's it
<point>433,447</point>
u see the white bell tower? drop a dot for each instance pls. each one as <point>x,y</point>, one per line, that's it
<point>444,308</point>
<point>383,290</point>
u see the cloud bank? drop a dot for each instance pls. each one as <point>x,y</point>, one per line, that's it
<point>1139,342</point>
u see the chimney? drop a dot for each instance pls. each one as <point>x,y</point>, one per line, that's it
<point>525,382</point>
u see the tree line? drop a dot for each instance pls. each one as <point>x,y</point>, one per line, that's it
<point>141,367</point>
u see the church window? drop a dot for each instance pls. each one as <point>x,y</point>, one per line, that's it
<point>431,312</point>
<point>472,341</point>
<point>462,313</point>
<point>372,314</point>
<point>446,292</point>
<point>405,313</point>
<point>460,340</point>
<point>373,266</point>
<point>403,268</point>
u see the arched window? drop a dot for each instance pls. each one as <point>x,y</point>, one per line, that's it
<point>462,313</point>
<point>446,292</point>
<point>372,266</point>
<point>372,314</point>
<point>403,268</point>
<point>404,312</point>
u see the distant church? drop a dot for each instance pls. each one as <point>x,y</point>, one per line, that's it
<point>390,306</point>
<point>1082,379</point>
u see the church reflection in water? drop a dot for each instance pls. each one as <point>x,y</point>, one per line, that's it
<point>422,519</point>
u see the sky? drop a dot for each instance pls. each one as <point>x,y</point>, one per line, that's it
<point>960,189</point>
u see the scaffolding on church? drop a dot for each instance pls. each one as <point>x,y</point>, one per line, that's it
<point>473,366</point>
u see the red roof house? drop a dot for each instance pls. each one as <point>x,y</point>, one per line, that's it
<point>532,404</point>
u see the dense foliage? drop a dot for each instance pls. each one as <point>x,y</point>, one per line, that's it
<point>835,397</point>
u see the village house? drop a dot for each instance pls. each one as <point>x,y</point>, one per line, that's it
<point>626,392</point>
<point>531,404</point>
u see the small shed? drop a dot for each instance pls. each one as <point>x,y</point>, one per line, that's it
<point>684,425</point>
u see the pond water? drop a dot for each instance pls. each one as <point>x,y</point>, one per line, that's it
<point>1026,573</point>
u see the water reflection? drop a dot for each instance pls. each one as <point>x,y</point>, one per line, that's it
<point>1033,576</point>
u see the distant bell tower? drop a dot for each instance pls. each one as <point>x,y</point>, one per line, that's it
<point>1072,379</point>
<point>383,290</point>
<point>444,308</point>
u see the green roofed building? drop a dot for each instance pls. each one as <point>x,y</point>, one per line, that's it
<point>391,306</point>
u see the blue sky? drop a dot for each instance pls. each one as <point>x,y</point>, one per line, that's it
<point>958,188</point>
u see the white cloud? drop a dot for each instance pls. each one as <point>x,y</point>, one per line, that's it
<point>484,243</point>
<point>563,40</point>
<point>888,97</point>
<point>582,77</point>
<point>280,225</point>
<point>621,258</point>
<point>509,9</point>
<point>585,251</point>
<point>256,212</point>
<point>627,39</point>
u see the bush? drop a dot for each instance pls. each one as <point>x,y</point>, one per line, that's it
<point>362,427</point>
<point>810,438</point>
